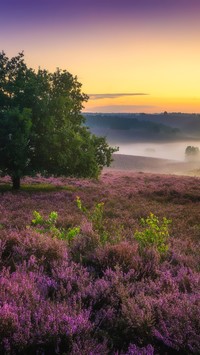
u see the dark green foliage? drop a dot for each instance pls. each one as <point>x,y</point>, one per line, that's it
<point>41,126</point>
<point>192,152</point>
<point>14,143</point>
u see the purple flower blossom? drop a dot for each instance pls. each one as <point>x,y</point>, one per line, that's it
<point>91,299</point>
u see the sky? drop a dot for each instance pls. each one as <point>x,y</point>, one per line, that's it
<point>129,55</point>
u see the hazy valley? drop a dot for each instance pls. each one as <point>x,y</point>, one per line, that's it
<point>162,138</point>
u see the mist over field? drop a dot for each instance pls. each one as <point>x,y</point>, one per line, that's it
<point>166,150</point>
<point>163,136</point>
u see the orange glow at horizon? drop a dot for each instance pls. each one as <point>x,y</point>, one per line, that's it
<point>147,104</point>
<point>156,53</point>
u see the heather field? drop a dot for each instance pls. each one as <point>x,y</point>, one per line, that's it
<point>116,270</point>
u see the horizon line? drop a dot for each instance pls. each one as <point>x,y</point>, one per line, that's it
<point>142,113</point>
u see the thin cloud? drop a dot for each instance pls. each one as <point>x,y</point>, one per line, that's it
<point>114,96</point>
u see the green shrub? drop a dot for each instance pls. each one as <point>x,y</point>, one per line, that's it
<point>49,225</point>
<point>155,234</point>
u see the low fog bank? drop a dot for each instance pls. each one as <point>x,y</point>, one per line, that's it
<point>163,136</point>
<point>166,150</point>
<point>153,165</point>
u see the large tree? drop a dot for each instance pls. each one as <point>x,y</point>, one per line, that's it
<point>41,126</point>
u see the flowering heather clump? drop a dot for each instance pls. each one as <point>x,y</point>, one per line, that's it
<point>90,297</point>
<point>123,254</point>
<point>134,350</point>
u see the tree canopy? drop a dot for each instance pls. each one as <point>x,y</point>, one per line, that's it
<point>41,126</point>
<point>192,153</point>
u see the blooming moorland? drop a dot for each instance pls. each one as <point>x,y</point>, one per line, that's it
<point>114,270</point>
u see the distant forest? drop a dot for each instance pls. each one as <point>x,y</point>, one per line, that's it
<point>122,127</point>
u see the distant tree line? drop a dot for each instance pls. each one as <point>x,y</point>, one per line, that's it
<point>168,126</point>
<point>129,126</point>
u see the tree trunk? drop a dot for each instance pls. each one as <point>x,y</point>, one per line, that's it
<point>16,182</point>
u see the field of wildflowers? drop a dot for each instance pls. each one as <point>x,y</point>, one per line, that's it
<point>91,279</point>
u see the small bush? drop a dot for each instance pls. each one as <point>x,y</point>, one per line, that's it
<point>122,254</point>
<point>49,225</point>
<point>155,234</point>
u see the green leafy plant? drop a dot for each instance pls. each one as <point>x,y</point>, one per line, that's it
<point>49,225</point>
<point>155,234</point>
<point>38,219</point>
<point>52,218</point>
<point>72,233</point>
<point>95,217</point>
